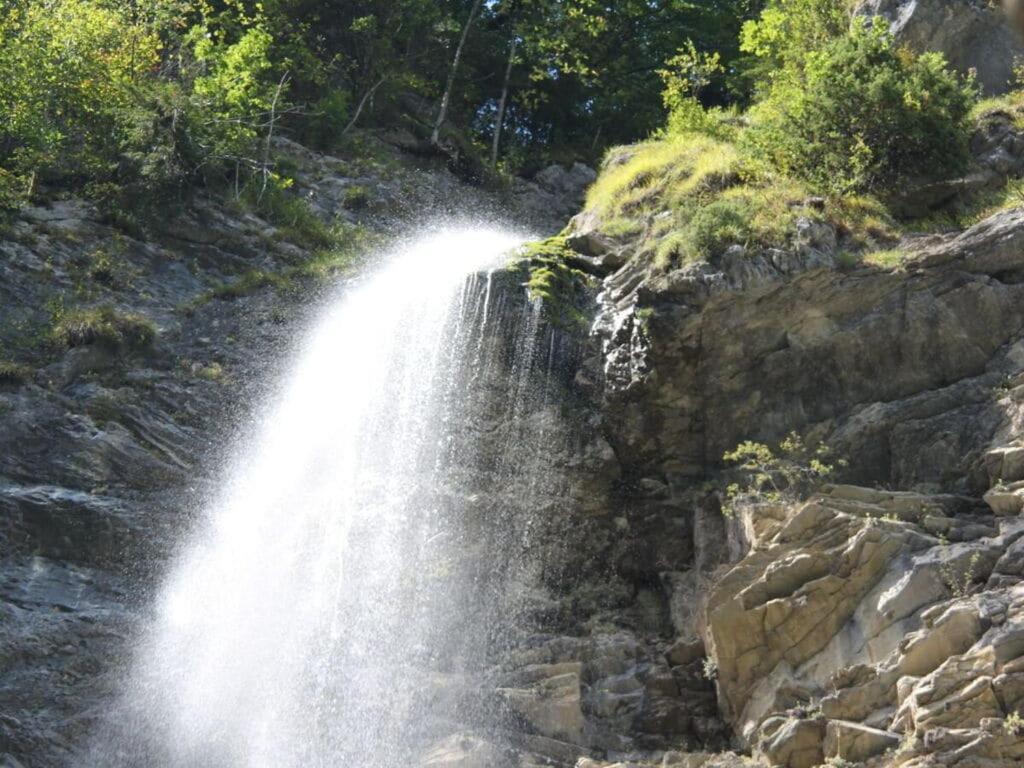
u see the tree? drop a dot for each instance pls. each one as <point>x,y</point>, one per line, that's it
<point>499,120</point>
<point>447,95</point>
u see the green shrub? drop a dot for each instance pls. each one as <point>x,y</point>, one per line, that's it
<point>104,326</point>
<point>329,116</point>
<point>246,285</point>
<point>291,214</point>
<point>787,474</point>
<point>862,114</point>
<point>785,31</point>
<point>356,197</point>
<point>685,76</point>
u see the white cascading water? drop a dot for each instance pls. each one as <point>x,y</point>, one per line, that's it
<point>307,621</point>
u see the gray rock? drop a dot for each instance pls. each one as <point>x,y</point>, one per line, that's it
<point>971,35</point>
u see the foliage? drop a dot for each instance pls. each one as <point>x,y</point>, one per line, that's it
<point>685,78</point>
<point>249,282</point>
<point>232,93</point>
<point>690,196</point>
<point>67,73</point>
<point>291,214</point>
<point>959,579</point>
<point>787,474</point>
<point>343,246</point>
<point>862,114</point>
<point>781,37</point>
<point>1013,724</point>
<point>104,326</point>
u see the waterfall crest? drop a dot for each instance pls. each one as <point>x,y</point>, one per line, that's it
<point>339,592</point>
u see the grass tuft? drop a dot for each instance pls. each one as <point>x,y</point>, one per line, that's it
<point>104,326</point>
<point>14,373</point>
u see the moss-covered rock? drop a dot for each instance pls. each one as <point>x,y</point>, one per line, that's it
<point>552,278</point>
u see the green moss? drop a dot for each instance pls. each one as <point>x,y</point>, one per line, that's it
<point>1010,104</point>
<point>890,258</point>
<point>212,372</point>
<point>104,326</point>
<point>552,280</point>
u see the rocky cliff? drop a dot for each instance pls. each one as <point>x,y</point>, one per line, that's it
<point>130,357</point>
<point>879,622</point>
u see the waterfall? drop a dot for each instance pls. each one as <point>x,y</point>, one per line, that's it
<point>361,565</point>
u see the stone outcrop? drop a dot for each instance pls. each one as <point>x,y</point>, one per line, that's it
<point>973,36</point>
<point>885,614</point>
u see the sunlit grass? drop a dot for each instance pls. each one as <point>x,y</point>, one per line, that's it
<point>691,196</point>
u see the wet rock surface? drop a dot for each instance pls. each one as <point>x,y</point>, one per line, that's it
<point>106,452</point>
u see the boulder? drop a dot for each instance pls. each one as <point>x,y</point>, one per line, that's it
<point>549,701</point>
<point>792,742</point>
<point>973,36</point>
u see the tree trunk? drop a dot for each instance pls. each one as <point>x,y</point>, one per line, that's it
<point>447,96</point>
<point>362,102</point>
<point>499,120</point>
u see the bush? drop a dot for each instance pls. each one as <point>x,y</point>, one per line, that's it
<point>329,116</point>
<point>787,474</point>
<point>67,73</point>
<point>104,326</point>
<point>861,114</point>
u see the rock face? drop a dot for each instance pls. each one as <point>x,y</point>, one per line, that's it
<point>700,358</point>
<point>886,615</point>
<point>973,36</point>
<point>106,452</point>
<point>865,625</point>
<point>883,627</point>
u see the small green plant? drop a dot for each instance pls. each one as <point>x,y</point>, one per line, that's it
<point>789,473</point>
<point>247,284</point>
<point>908,743</point>
<point>104,409</point>
<point>958,580</point>
<point>709,668</point>
<point>291,214</point>
<point>1013,724</point>
<point>104,326</point>
<point>213,372</point>
<point>356,197</point>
